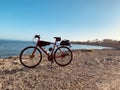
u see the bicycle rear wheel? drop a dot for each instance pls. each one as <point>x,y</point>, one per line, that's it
<point>63,56</point>
<point>29,60</point>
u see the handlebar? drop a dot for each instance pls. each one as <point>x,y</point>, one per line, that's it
<point>37,36</point>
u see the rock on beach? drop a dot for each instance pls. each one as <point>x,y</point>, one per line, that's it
<point>89,70</point>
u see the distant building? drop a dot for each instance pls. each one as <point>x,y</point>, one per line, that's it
<point>108,41</point>
<point>95,41</point>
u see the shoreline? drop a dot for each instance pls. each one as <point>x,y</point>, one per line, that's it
<point>114,46</point>
<point>89,70</point>
<point>9,57</point>
<point>7,49</point>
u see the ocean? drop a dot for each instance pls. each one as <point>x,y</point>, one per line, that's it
<point>10,48</point>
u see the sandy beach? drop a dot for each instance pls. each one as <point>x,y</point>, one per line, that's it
<point>89,70</point>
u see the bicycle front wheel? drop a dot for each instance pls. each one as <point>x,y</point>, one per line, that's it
<point>63,56</point>
<point>30,59</point>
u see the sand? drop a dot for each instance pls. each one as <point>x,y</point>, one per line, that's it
<point>89,70</point>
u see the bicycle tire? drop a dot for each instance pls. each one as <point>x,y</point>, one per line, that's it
<point>26,59</point>
<point>60,58</point>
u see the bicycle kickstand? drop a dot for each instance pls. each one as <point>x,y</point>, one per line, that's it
<point>51,63</point>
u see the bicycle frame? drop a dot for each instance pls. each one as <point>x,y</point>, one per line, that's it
<point>54,45</point>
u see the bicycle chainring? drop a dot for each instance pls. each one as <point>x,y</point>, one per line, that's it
<point>50,58</point>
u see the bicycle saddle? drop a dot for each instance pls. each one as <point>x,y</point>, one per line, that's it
<point>58,38</point>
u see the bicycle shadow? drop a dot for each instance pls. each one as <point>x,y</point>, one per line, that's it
<point>25,69</point>
<point>4,72</point>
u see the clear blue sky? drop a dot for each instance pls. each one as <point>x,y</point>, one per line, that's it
<point>71,19</point>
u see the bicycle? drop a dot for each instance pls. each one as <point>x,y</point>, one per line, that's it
<point>31,56</point>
